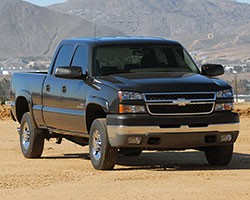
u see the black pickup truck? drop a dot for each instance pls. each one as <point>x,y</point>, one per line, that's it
<point>124,95</point>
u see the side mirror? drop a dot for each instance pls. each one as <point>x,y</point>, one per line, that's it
<point>212,70</point>
<point>69,72</point>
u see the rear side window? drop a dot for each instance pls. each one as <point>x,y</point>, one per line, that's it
<point>64,56</point>
<point>80,58</point>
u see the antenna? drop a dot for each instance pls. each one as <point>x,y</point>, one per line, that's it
<point>95,31</point>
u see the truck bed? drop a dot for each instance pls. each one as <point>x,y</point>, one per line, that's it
<point>30,86</point>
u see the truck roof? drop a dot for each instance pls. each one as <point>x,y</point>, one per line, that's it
<point>120,40</point>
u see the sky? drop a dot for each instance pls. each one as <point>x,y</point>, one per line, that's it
<point>244,1</point>
<point>46,2</point>
<point>50,2</point>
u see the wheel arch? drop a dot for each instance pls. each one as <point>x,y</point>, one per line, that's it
<point>97,107</point>
<point>23,104</point>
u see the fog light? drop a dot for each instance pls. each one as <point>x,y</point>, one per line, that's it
<point>134,140</point>
<point>226,138</point>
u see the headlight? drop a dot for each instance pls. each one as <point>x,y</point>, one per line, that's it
<point>224,106</point>
<point>129,96</point>
<point>225,93</point>
<point>131,109</point>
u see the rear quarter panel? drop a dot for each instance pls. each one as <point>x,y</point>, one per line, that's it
<point>29,86</point>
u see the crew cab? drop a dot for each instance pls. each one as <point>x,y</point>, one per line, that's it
<point>125,95</point>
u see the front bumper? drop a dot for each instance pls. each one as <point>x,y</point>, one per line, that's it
<point>163,133</point>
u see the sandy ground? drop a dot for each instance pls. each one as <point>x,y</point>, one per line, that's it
<point>65,172</point>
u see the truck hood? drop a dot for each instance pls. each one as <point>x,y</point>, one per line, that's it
<point>163,82</point>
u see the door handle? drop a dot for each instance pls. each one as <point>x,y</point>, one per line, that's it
<point>64,89</point>
<point>48,88</point>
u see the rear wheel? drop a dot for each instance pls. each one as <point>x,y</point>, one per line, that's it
<point>219,155</point>
<point>102,155</point>
<point>31,138</point>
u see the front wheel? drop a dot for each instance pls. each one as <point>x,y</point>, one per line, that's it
<point>102,155</point>
<point>31,138</point>
<point>219,155</point>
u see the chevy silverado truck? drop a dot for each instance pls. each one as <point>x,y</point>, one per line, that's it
<point>125,95</point>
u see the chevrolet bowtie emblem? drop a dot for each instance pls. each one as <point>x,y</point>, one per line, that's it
<point>181,102</point>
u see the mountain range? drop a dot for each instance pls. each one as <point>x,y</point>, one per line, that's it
<point>213,28</point>
<point>161,17</point>
<point>29,30</point>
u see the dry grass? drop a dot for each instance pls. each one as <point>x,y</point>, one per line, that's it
<point>5,113</point>
<point>243,109</point>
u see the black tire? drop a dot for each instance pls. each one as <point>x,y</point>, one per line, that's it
<point>131,152</point>
<point>102,155</point>
<point>219,155</point>
<point>31,138</point>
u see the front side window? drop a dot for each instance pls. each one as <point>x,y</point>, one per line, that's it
<point>137,59</point>
<point>80,58</point>
<point>64,56</point>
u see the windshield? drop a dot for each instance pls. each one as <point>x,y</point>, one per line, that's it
<point>136,59</point>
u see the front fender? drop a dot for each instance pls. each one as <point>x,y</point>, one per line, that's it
<point>98,101</point>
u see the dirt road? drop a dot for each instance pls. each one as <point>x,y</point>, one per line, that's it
<point>65,172</point>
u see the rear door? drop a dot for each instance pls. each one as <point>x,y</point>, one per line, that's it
<point>52,91</point>
<point>74,96</point>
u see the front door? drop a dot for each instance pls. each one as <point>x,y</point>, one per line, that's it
<point>52,90</point>
<point>73,96</point>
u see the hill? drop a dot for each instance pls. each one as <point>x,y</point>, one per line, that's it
<point>211,26</point>
<point>161,17</point>
<point>29,30</point>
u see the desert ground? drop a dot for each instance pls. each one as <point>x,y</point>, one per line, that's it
<point>65,171</point>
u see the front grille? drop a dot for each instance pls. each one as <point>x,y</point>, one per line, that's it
<point>174,96</point>
<point>174,109</point>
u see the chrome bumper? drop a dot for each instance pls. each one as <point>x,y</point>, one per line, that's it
<point>113,131</point>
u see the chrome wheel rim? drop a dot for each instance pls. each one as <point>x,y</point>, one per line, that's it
<point>96,145</point>
<point>25,135</point>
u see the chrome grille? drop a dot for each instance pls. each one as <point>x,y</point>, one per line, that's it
<point>173,109</point>
<point>180,103</point>
<point>175,96</point>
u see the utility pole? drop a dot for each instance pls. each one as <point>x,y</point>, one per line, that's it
<point>236,88</point>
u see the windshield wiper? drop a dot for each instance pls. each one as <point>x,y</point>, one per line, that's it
<point>112,73</point>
